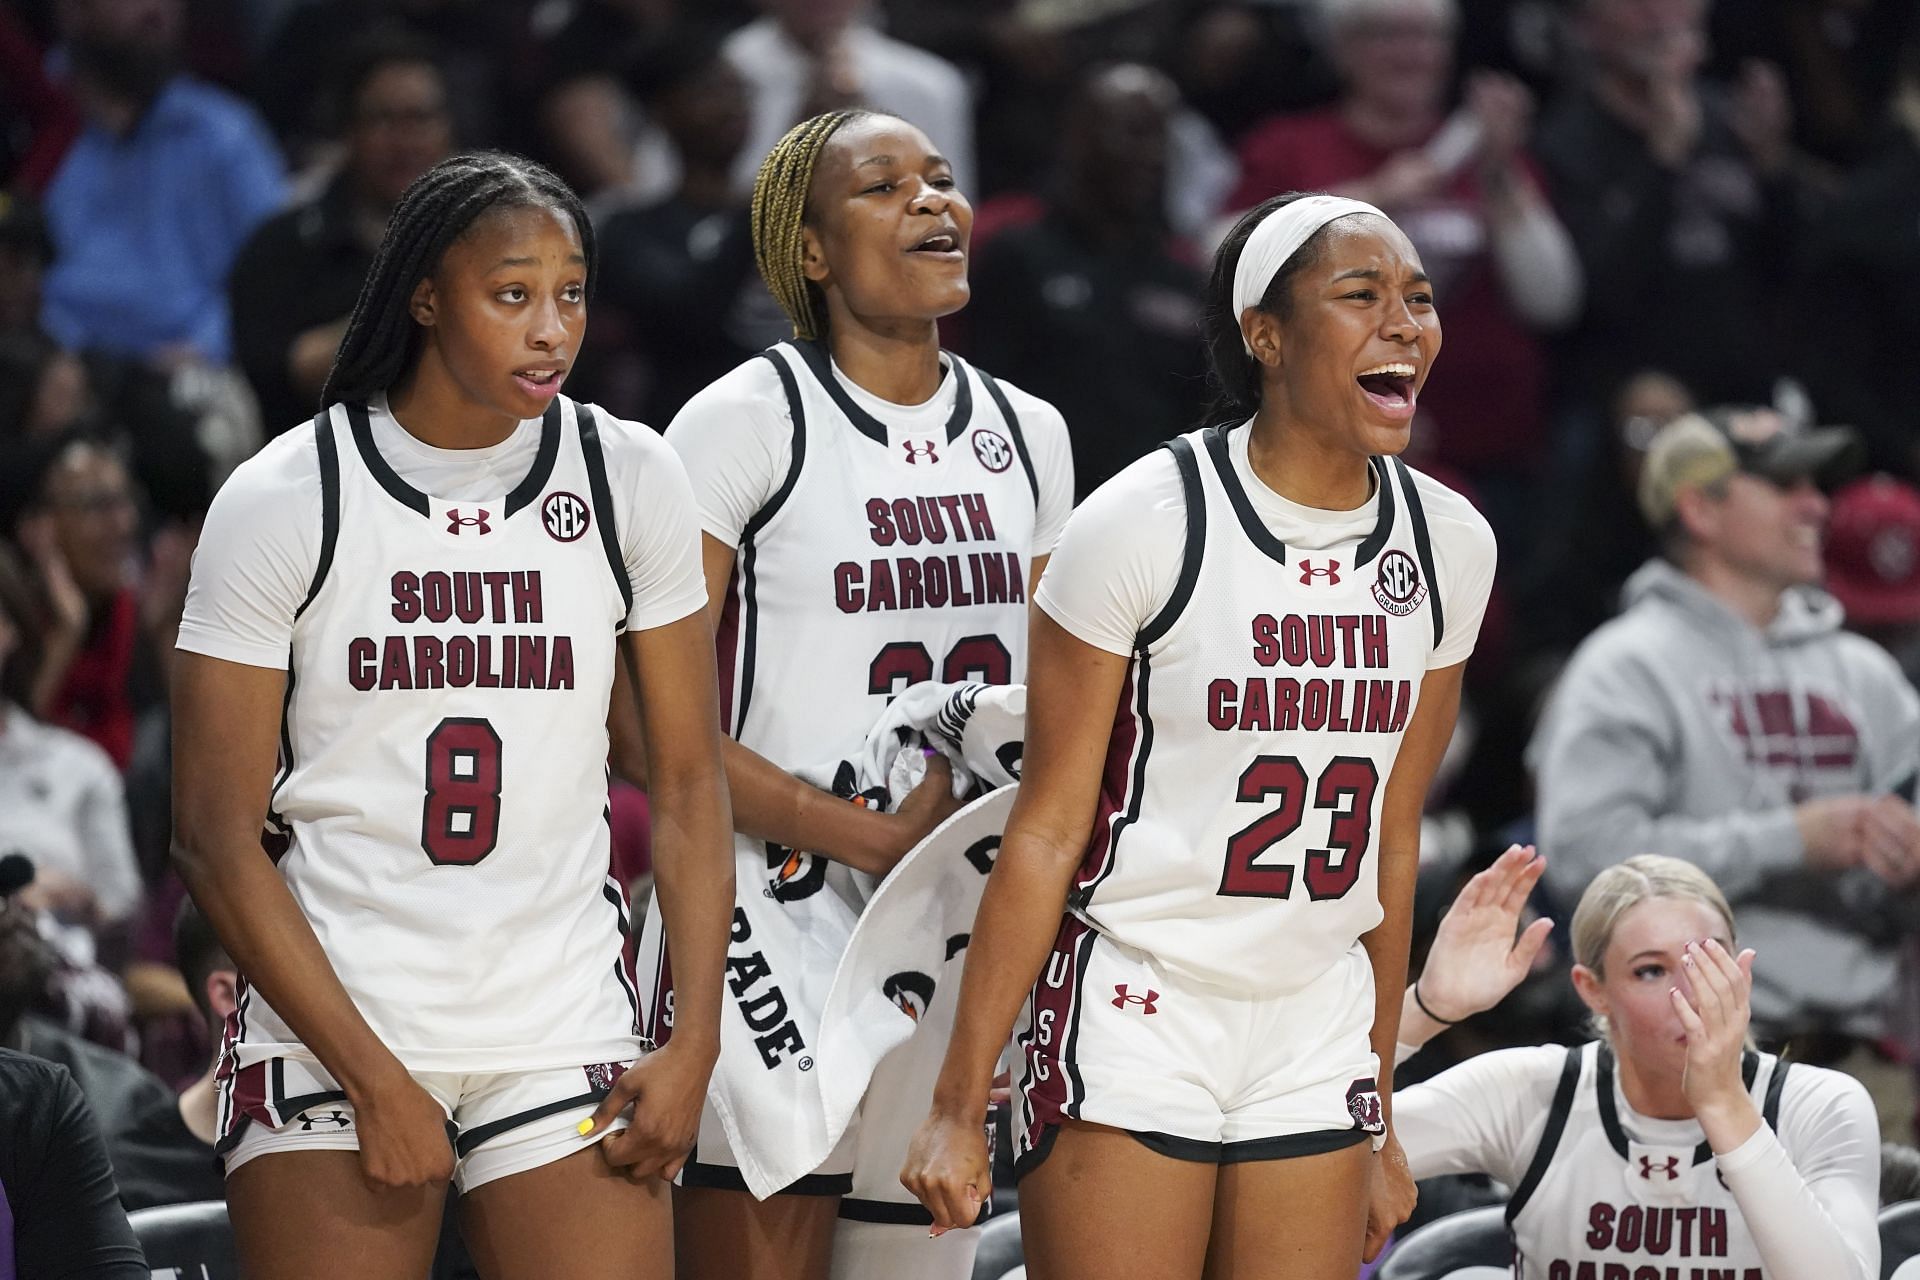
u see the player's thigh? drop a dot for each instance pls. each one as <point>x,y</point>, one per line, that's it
<point>576,1217</point>
<point>1102,1204</point>
<point>1301,1218</point>
<point>726,1235</point>
<point>312,1215</point>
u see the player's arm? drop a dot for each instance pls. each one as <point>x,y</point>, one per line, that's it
<point>1072,690</point>
<point>771,804</point>
<point>1387,943</point>
<point>679,701</point>
<point>226,730</point>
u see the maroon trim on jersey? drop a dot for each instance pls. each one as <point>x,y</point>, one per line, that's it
<point>1119,782</point>
<point>1050,1086</point>
<point>727,646</point>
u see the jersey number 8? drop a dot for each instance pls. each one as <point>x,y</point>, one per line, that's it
<point>1345,787</point>
<point>460,818</point>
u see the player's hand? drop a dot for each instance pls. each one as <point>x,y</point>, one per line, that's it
<point>1713,1010</point>
<point>403,1135</point>
<point>665,1089</point>
<point>1391,1198</point>
<point>949,1170</point>
<point>925,807</point>
<point>1475,959</point>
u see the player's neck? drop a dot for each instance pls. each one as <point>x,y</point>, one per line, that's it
<point>1655,1097</point>
<point>897,361</point>
<point>431,408</point>
<point>198,1106</point>
<point>1306,470</point>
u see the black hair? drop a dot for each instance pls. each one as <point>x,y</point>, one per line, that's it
<point>1235,375</point>
<point>383,47</point>
<point>197,953</point>
<point>382,339</point>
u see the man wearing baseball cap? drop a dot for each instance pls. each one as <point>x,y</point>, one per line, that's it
<point>1725,718</point>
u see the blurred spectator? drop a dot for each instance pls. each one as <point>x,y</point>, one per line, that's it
<point>1239,63</point>
<point>26,251</point>
<point>1094,307</point>
<point>600,140</point>
<point>1873,564</point>
<point>43,390</point>
<point>1860,290</point>
<point>1504,269</point>
<point>155,197</point>
<point>808,56</point>
<point>1725,719</point>
<point>59,1215</point>
<point>678,275</point>
<point>105,634</point>
<point>61,802</point>
<point>296,280</point>
<point>1682,199</point>
<point>38,119</point>
<point>164,1155</point>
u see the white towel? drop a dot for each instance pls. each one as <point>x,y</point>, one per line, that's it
<point>824,965</point>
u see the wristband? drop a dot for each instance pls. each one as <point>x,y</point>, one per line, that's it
<point>1445,1022</point>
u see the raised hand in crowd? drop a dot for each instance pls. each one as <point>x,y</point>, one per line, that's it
<point>1881,833</point>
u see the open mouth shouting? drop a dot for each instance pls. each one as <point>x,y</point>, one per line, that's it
<point>1390,387</point>
<point>943,244</point>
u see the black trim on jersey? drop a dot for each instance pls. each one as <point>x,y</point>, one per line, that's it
<point>892,1213</point>
<point>1563,1095</point>
<point>727,1178</point>
<point>274,817</point>
<point>1377,540</point>
<point>749,602</point>
<point>1256,529</point>
<point>1770,1109</point>
<point>1013,426</point>
<point>602,494</point>
<point>536,479</point>
<point>1196,497</point>
<point>1610,1115</point>
<point>820,362</point>
<point>1423,546</point>
<point>1036,1154</point>
<point>290,1108</point>
<point>471,1138</point>
<point>407,496</point>
<point>612,895</point>
<point>329,505</point>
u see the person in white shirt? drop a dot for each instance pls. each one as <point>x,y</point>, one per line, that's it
<point>1666,1147</point>
<point>1246,662</point>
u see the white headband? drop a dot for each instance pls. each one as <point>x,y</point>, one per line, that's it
<point>1277,238</point>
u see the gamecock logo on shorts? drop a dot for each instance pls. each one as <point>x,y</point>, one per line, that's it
<point>912,991</point>
<point>565,516</point>
<point>1398,588</point>
<point>1363,1104</point>
<point>601,1075</point>
<point>995,454</point>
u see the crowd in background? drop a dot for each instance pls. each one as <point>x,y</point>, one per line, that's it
<point>1631,210</point>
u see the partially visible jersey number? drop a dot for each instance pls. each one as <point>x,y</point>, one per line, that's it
<point>1345,788</point>
<point>460,818</point>
<point>906,663</point>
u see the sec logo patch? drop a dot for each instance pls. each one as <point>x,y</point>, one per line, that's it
<point>565,516</point>
<point>1397,588</point>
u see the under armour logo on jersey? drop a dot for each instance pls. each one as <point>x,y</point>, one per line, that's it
<point>1331,572</point>
<point>456,521</point>
<point>915,452</point>
<point>1670,1167</point>
<point>1122,998</point>
<point>339,1119</point>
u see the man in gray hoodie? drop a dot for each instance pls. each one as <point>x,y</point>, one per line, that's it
<point>1725,718</point>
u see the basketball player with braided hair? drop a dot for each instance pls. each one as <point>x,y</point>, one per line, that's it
<point>400,643</point>
<point>876,512</point>
<point>1246,662</point>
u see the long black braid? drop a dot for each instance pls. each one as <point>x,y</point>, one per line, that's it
<point>382,339</point>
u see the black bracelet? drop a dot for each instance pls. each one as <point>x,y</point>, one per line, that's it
<point>1445,1022</point>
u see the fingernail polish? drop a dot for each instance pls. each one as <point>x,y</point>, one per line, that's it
<point>584,1128</point>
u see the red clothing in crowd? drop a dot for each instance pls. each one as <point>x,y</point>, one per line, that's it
<point>96,698</point>
<point>1487,394</point>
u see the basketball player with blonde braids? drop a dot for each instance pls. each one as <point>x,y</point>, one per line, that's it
<point>876,513</point>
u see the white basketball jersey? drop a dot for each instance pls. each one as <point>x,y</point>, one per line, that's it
<point>877,564</point>
<point>1595,1204</point>
<point>440,814</point>
<point>1260,719</point>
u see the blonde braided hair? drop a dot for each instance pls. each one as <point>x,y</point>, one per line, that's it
<point>780,215</point>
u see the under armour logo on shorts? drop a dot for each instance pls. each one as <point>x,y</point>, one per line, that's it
<point>1670,1167</point>
<point>1331,573</point>
<point>1122,998</point>
<point>456,521</point>
<point>338,1119</point>
<point>915,452</point>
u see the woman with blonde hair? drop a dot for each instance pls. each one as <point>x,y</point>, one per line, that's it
<point>1668,1146</point>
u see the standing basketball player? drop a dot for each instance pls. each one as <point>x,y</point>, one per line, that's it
<point>418,604</point>
<point>1667,1146</point>
<point>1246,662</point>
<point>876,513</point>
